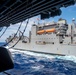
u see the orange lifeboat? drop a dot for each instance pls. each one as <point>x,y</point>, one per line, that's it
<point>40,31</point>
<point>50,30</point>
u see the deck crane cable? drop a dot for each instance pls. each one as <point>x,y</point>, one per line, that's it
<point>5,29</point>
<point>21,35</point>
<point>16,32</point>
<point>14,35</point>
<point>23,30</point>
<point>3,32</point>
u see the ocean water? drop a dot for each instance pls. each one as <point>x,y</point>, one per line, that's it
<point>30,63</point>
<point>2,43</point>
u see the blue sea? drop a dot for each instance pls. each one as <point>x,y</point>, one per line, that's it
<point>30,63</point>
<point>2,43</point>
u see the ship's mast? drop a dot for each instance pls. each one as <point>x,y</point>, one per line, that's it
<point>72,30</point>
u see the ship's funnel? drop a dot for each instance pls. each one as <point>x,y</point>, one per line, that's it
<point>6,62</point>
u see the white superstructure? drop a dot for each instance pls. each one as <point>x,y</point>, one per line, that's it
<point>53,38</point>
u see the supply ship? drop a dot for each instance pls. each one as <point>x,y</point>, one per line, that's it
<point>52,38</point>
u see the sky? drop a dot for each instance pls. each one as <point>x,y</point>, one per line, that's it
<point>68,13</point>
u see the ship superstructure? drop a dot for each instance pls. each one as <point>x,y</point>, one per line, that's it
<point>54,38</point>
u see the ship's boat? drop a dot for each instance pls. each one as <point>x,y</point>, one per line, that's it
<point>40,31</point>
<point>46,31</point>
<point>50,30</point>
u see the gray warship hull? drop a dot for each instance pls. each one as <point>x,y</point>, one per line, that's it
<point>57,49</point>
<point>53,38</point>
